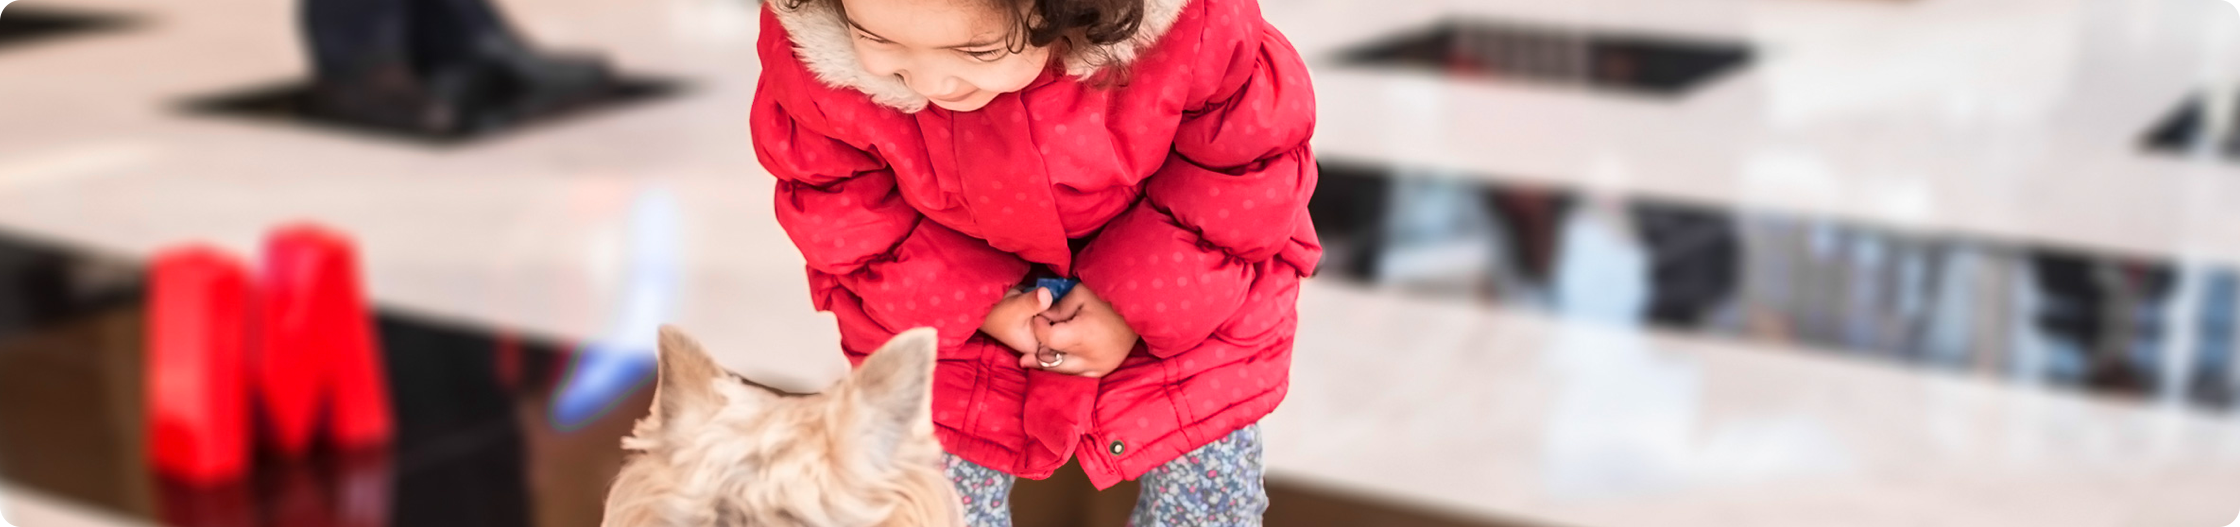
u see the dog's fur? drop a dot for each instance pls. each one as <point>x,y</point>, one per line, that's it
<point>719,450</point>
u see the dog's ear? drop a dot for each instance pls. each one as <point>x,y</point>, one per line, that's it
<point>688,377</point>
<point>895,387</point>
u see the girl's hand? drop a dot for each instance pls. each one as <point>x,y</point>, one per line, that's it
<point>1010,322</point>
<point>1092,337</point>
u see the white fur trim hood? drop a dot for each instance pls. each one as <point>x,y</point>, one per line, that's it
<point>821,40</point>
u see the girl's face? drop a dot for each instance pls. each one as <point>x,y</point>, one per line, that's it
<point>951,51</point>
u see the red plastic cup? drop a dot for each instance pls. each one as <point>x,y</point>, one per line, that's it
<point>318,348</point>
<point>197,396</point>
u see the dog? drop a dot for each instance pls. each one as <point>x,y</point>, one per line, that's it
<point>720,450</point>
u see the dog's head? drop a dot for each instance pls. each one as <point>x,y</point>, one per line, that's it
<point>719,450</point>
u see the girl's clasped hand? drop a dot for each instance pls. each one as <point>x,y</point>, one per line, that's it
<point>1079,334</point>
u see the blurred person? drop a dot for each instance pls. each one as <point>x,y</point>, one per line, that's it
<point>2211,381</point>
<point>433,66</point>
<point>1439,239</point>
<point>934,155</point>
<point>1695,262</point>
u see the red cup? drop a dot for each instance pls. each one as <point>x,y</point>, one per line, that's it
<point>197,396</point>
<point>318,347</point>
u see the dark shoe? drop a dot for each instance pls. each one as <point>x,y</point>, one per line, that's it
<point>386,97</point>
<point>505,83</point>
<point>545,78</point>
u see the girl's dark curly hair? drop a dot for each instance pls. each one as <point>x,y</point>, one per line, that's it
<point>1081,24</point>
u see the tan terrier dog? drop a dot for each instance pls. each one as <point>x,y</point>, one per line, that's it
<point>720,450</point>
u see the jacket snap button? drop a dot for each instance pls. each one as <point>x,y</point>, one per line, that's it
<point>1118,447</point>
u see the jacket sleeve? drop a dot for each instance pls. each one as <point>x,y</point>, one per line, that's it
<point>1226,213</point>
<point>873,261</point>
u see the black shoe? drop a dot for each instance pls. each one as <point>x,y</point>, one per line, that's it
<point>386,97</point>
<point>505,83</point>
<point>546,78</point>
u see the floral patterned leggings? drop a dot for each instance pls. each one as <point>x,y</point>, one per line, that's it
<point>1217,485</point>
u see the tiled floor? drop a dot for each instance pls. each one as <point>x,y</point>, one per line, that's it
<point>2013,123</point>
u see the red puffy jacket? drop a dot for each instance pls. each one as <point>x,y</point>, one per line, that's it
<point>1184,188</point>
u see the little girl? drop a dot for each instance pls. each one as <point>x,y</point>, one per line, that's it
<point>934,155</point>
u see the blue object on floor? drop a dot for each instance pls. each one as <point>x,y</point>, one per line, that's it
<point>613,366</point>
<point>599,377</point>
<point>1058,286</point>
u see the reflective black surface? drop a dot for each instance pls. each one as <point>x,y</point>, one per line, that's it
<point>2115,324</point>
<point>474,446</point>
<point>290,103</point>
<point>28,21</point>
<point>1648,64</point>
